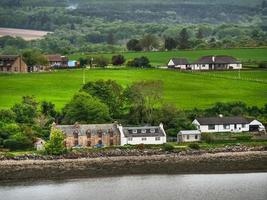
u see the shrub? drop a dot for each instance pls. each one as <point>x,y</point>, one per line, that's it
<point>55,146</point>
<point>194,146</point>
<point>208,137</point>
<point>243,137</point>
<point>263,65</point>
<point>167,147</point>
<point>118,59</point>
<point>140,147</point>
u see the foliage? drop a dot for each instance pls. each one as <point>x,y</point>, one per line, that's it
<point>117,60</point>
<point>7,116</point>
<point>100,61</point>
<point>34,57</point>
<point>208,137</point>
<point>55,145</point>
<point>134,45</point>
<point>167,147</point>
<point>183,40</point>
<point>139,62</point>
<point>26,111</point>
<point>109,92</point>
<point>84,108</point>
<point>263,65</point>
<point>194,146</point>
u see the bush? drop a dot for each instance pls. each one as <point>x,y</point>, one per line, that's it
<point>208,137</point>
<point>194,146</point>
<point>55,146</point>
<point>167,147</point>
<point>117,60</point>
<point>140,147</point>
<point>139,62</point>
<point>14,144</point>
<point>243,137</point>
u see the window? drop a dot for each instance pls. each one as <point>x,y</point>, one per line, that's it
<point>88,134</point>
<point>144,139</point>
<point>111,143</point>
<point>211,127</point>
<point>88,143</point>
<point>100,134</point>
<point>226,126</point>
<point>75,134</point>
<point>130,139</point>
<point>152,130</point>
<point>157,138</point>
<point>235,126</point>
<point>243,125</point>
<point>143,131</point>
<point>196,137</point>
<point>111,133</point>
<point>134,131</point>
<point>76,142</point>
<point>187,137</point>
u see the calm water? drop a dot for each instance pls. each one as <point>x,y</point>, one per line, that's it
<point>165,187</point>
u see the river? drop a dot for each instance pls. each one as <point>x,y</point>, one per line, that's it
<point>148,187</point>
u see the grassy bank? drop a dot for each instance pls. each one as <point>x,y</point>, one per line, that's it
<point>186,90</point>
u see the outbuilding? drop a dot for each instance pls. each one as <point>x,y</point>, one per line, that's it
<point>189,136</point>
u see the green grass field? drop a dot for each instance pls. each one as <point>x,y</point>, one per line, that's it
<point>186,90</point>
<point>162,58</point>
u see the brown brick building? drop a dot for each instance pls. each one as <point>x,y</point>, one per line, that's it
<point>12,63</point>
<point>90,135</point>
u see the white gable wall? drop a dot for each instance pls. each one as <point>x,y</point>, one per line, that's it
<point>221,128</point>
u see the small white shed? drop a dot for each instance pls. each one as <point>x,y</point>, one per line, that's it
<point>189,136</point>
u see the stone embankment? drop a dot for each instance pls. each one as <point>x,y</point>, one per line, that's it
<point>172,163</point>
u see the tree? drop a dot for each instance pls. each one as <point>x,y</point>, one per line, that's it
<point>139,62</point>
<point>25,111</point>
<point>118,60</point>
<point>55,145</point>
<point>143,97</point>
<point>7,116</point>
<point>48,109</point>
<point>200,34</point>
<point>170,43</point>
<point>84,108</point>
<point>101,61</point>
<point>184,39</point>
<point>109,92</point>
<point>134,45</point>
<point>34,57</point>
<point>148,42</point>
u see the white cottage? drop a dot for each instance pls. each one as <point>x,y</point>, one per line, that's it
<point>216,63</point>
<point>189,136</point>
<point>227,124</point>
<point>143,135</point>
<point>178,63</point>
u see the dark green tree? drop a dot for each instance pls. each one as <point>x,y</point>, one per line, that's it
<point>118,60</point>
<point>183,41</point>
<point>170,43</point>
<point>134,45</point>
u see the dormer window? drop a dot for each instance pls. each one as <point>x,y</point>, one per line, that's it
<point>152,130</point>
<point>143,131</point>
<point>134,131</point>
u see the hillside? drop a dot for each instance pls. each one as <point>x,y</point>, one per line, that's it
<point>185,90</point>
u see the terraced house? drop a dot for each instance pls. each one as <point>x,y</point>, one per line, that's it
<point>99,135</point>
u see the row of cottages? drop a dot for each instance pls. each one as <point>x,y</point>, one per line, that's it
<point>206,63</point>
<point>12,63</point>
<point>220,125</point>
<point>98,135</point>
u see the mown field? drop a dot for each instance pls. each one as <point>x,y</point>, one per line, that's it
<point>186,90</point>
<point>252,55</point>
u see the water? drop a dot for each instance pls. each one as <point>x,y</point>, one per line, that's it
<point>151,187</point>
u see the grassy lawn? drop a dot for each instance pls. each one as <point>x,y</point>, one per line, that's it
<point>185,90</point>
<point>162,58</point>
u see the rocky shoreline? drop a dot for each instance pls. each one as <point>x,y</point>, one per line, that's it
<point>168,163</point>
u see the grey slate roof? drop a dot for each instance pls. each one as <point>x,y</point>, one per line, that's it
<point>180,61</point>
<point>83,128</point>
<point>148,131</point>
<point>217,60</point>
<point>222,120</point>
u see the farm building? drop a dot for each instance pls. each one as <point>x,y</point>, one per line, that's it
<point>12,63</point>
<point>227,124</point>
<point>178,63</point>
<point>57,61</point>
<point>189,136</point>
<point>90,135</point>
<point>206,63</point>
<point>143,135</point>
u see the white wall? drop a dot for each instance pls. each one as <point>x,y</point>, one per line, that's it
<point>188,138</point>
<point>138,140</point>
<point>220,128</point>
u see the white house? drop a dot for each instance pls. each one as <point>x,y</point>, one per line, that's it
<point>178,63</point>
<point>143,135</point>
<point>189,136</point>
<point>216,63</point>
<point>227,124</point>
